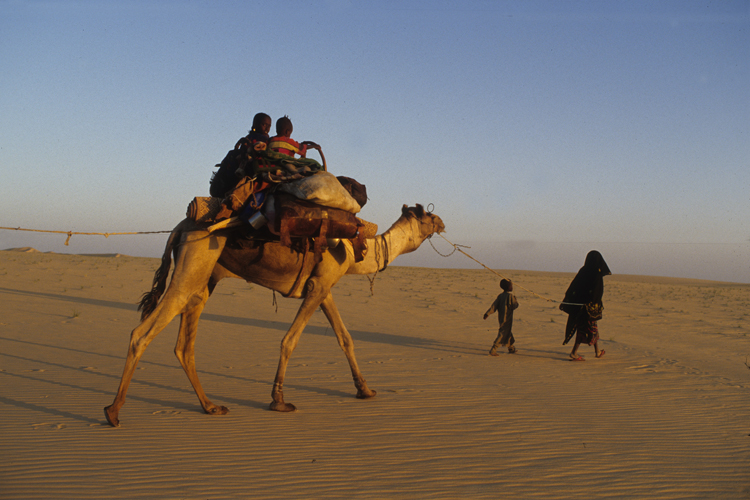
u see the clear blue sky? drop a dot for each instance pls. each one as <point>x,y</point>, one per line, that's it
<point>538,129</point>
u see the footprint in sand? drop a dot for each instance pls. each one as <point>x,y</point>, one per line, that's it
<point>166,412</point>
<point>403,391</point>
<point>644,368</point>
<point>668,362</point>
<point>50,425</point>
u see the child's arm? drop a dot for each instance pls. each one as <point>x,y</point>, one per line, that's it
<point>491,310</point>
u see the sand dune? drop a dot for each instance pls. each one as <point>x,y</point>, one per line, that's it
<point>22,249</point>
<point>663,415</point>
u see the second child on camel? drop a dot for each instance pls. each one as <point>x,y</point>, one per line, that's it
<point>283,143</point>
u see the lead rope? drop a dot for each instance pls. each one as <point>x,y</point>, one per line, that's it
<point>380,249</point>
<point>457,247</point>
<point>71,233</point>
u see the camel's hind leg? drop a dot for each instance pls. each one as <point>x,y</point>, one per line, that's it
<point>140,338</point>
<point>185,352</point>
<point>186,291</point>
<point>347,345</point>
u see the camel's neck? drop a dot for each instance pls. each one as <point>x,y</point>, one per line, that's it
<point>403,237</point>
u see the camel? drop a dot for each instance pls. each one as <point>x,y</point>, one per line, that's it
<point>203,258</point>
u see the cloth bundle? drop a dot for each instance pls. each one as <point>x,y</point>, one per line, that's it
<point>322,188</point>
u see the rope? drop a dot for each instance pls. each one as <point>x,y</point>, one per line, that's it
<point>71,233</point>
<point>380,249</point>
<point>384,251</point>
<point>372,283</point>
<point>457,247</point>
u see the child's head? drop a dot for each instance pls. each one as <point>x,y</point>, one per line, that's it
<point>261,123</point>
<point>284,126</point>
<point>506,285</point>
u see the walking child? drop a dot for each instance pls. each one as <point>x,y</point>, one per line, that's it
<point>504,304</point>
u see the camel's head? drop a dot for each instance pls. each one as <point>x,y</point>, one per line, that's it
<point>429,222</point>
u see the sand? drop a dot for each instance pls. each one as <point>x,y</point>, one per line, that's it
<point>664,414</point>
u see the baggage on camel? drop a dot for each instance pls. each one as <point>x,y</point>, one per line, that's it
<point>285,198</point>
<point>289,219</point>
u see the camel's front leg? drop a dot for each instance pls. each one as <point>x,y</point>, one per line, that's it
<point>347,345</point>
<point>185,352</point>
<point>311,302</point>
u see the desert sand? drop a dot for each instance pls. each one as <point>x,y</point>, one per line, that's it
<point>664,414</point>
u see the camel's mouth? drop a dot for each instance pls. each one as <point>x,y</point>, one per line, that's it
<point>438,224</point>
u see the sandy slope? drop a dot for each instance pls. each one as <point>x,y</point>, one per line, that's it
<point>663,415</point>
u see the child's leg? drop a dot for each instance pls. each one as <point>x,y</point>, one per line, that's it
<point>496,343</point>
<point>511,343</point>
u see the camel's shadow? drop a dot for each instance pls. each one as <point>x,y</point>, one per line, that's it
<point>282,326</point>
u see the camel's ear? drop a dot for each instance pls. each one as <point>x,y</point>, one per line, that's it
<point>419,211</point>
<point>404,209</point>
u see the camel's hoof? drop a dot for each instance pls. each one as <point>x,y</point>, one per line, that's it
<point>218,410</point>
<point>366,394</point>
<point>111,417</point>
<point>285,407</point>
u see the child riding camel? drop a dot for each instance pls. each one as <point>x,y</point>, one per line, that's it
<point>283,143</point>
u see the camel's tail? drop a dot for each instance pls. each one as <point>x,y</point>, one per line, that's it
<point>151,298</point>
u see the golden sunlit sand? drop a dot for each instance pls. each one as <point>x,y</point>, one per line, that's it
<point>664,414</point>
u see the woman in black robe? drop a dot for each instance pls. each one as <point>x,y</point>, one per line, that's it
<point>583,303</point>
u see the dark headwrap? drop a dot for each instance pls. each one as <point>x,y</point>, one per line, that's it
<point>588,285</point>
